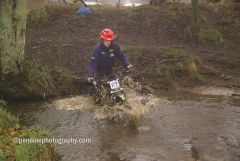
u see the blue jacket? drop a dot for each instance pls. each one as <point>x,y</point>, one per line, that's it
<point>103,58</point>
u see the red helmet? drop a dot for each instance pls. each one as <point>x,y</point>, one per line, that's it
<point>107,34</point>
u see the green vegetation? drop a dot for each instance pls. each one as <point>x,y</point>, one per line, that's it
<point>216,24</point>
<point>184,62</point>
<point>166,66</point>
<point>132,50</point>
<point>37,15</point>
<point>142,54</point>
<point>210,36</point>
<point>62,80</point>
<point>228,24</point>
<point>178,64</point>
<point>36,81</point>
<point>61,6</point>
<point>10,150</point>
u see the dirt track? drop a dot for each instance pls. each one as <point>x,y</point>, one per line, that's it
<point>66,39</point>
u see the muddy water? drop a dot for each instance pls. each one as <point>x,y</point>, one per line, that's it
<point>186,128</point>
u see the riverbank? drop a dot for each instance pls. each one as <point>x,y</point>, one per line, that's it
<point>156,39</point>
<point>11,132</point>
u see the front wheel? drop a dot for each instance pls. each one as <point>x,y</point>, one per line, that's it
<point>120,98</point>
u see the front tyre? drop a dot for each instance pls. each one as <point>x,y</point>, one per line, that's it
<point>120,98</point>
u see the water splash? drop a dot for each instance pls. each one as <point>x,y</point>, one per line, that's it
<point>75,103</point>
<point>136,106</point>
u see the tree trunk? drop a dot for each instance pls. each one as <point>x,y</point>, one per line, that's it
<point>118,4</point>
<point>195,9</point>
<point>13,14</point>
<point>195,26</point>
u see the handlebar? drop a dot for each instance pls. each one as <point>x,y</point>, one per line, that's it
<point>120,67</point>
<point>108,77</point>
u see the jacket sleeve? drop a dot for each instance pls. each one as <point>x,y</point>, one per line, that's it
<point>121,56</point>
<point>92,65</point>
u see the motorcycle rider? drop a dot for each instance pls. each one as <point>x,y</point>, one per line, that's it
<point>103,58</point>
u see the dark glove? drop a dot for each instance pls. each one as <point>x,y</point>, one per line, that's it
<point>129,67</point>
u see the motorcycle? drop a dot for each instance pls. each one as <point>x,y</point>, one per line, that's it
<point>108,90</point>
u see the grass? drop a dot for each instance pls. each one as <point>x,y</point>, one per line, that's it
<point>62,79</point>
<point>210,36</point>
<point>217,24</point>
<point>228,23</point>
<point>178,65</point>
<point>3,103</point>
<point>167,65</point>
<point>41,80</point>
<point>6,120</point>
<point>183,64</point>
<point>9,150</point>
<point>61,6</point>
<point>37,81</point>
<point>133,50</point>
<point>37,15</point>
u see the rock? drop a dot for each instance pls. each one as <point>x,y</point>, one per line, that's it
<point>222,76</point>
<point>210,70</point>
<point>66,45</point>
<point>143,128</point>
<point>35,47</point>
<point>43,39</point>
<point>226,77</point>
<point>102,20</point>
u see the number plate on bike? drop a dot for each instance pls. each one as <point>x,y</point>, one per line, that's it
<point>114,84</point>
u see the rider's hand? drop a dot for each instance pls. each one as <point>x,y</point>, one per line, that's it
<point>90,79</point>
<point>129,67</point>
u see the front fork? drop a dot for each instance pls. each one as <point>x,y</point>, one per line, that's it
<point>100,94</point>
<point>119,97</point>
